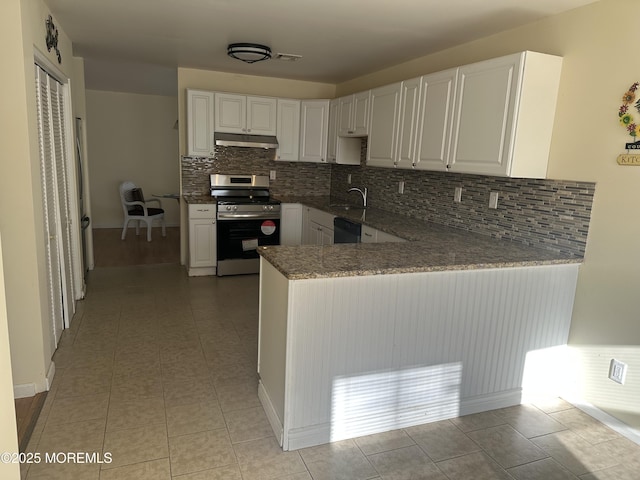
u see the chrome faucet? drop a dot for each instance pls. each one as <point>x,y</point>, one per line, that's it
<point>363,193</point>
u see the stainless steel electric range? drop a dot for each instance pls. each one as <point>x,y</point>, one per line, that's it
<point>247,218</point>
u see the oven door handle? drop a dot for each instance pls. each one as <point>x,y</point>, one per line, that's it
<point>240,216</point>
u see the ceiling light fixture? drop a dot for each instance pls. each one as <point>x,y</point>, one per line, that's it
<point>249,52</point>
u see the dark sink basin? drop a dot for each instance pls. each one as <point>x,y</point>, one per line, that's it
<point>344,206</point>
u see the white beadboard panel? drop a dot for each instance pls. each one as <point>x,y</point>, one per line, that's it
<point>272,332</point>
<point>351,340</point>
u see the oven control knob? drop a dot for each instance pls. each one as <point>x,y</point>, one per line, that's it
<point>235,207</point>
<point>228,207</point>
<point>264,207</point>
<point>270,207</point>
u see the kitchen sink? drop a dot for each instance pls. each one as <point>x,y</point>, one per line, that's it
<point>344,206</point>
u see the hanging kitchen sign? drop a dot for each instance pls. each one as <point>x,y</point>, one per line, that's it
<point>625,115</point>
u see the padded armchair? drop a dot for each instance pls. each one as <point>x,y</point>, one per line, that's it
<point>135,208</point>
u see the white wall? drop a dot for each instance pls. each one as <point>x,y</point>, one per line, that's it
<point>22,30</point>
<point>131,137</point>
<point>598,45</point>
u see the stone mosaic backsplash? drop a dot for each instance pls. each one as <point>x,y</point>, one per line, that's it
<point>292,178</point>
<point>550,214</point>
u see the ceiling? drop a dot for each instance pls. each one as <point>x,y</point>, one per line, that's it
<point>125,41</point>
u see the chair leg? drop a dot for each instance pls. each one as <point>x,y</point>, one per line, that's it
<point>149,224</point>
<point>164,227</point>
<point>124,229</point>
<point>138,227</point>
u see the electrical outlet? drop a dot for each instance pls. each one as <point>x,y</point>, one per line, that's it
<point>272,175</point>
<point>457,195</point>
<point>401,186</point>
<point>617,371</point>
<point>493,200</point>
<point>349,179</point>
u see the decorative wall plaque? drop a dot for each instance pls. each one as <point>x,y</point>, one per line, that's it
<point>52,37</point>
<point>629,123</point>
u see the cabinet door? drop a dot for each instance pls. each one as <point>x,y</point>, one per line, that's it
<point>290,224</point>
<point>231,113</point>
<point>288,130</point>
<point>325,236</point>
<point>383,136</point>
<point>345,113</point>
<point>368,234</point>
<point>200,123</point>
<point>332,136</point>
<point>434,120</point>
<point>314,125</point>
<point>360,120</point>
<point>353,115</point>
<point>261,115</point>
<point>407,124</point>
<point>308,232</point>
<point>202,242</point>
<point>484,116</point>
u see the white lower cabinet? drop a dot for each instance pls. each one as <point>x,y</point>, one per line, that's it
<point>202,239</point>
<point>291,224</point>
<point>317,227</point>
<point>372,235</point>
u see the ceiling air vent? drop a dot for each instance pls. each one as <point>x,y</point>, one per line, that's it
<point>287,57</point>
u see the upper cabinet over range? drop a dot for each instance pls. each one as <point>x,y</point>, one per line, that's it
<point>245,114</point>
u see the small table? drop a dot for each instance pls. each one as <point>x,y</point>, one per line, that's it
<point>175,196</point>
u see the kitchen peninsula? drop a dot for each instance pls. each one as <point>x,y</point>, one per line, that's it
<point>363,338</point>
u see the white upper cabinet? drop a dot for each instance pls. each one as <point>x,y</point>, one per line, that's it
<point>288,130</point>
<point>504,111</point>
<point>353,115</point>
<point>407,124</point>
<point>314,126</point>
<point>245,114</point>
<point>433,122</point>
<point>332,137</point>
<point>383,128</point>
<point>200,123</point>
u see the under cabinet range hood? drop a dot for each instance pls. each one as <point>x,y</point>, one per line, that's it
<point>242,140</point>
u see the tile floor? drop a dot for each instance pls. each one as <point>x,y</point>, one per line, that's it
<point>158,370</point>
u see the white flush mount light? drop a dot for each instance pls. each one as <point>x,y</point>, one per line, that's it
<point>249,52</point>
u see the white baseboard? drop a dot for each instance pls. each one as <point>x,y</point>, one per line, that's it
<point>491,401</point>
<point>24,390</point>
<point>270,411</point>
<point>320,434</point>
<point>31,389</point>
<point>610,421</point>
<point>50,374</point>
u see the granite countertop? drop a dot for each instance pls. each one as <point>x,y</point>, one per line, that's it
<point>431,247</point>
<point>198,199</point>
